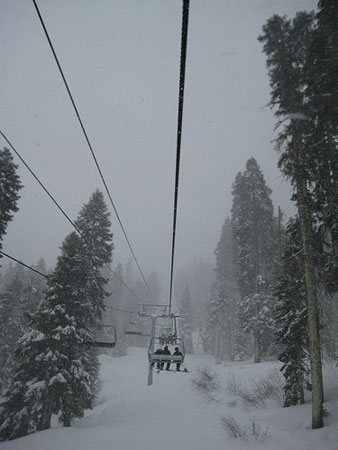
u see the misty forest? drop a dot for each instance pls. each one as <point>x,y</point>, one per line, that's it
<point>88,343</point>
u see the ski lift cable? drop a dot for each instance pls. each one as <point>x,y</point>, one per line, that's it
<point>40,183</point>
<point>92,343</point>
<point>184,38</point>
<point>47,277</point>
<point>23,264</point>
<point>90,146</point>
<point>61,209</point>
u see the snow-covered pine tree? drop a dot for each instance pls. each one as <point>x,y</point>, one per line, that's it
<point>293,71</point>
<point>21,295</point>
<point>94,224</point>
<point>221,335</point>
<point>51,375</point>
<point>209,330</point>
<point>70,294</point>
<point>113,304</point>
<point>254,237</point>
<point>11,327</point>
<point>199,275</point>
<point>321,91</point>
<point>186,320</point>
<point>34,291</point>
<point>21,409</point>
<point>329,331</point>
<point>64,378</point>
<point>129,300</point>
<point>9,188</point>
<point>291,319</point>
<point>228,296</point>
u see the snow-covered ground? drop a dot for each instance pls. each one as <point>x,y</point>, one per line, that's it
<point>170,414</point>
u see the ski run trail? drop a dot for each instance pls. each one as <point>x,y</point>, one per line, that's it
<point>172,414</point>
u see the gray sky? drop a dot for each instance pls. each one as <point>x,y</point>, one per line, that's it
<point>121,60</point>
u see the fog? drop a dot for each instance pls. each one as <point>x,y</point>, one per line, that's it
<point>121,61</point>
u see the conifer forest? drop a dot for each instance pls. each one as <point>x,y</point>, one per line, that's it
<point>253,279</point>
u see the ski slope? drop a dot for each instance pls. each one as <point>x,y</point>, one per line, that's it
<point>170,414</point>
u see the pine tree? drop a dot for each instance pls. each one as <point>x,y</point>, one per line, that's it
<point>129,301</point>
<point>51,357</point>
<point>320,74</point>
<point>186,320</point>
<point>34,291</point>
<point>9,187</point>
<point>11,327</point>
<point>73,317</point>
<point>199,275</point>
<point>22,293</point>
<point>287,46</point>
<point>53,360</point>
<point>21,410</point>
<point>291,319</point>
<point>212,315</point>
<point>254,235</point>
<point>94,224</point>
<point>223,335</point>
<point>113,305</point>
<point>228,297</point>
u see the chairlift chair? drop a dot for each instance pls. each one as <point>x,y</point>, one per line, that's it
<point>157,342</point>
<point>134,326</point>
<point>103,339</point>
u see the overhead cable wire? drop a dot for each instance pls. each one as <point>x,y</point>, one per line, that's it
<point>61,209</point>
<point>47,277</point>
<point>23,264</point>
<point>90,145</point>
<point>40,183</point>
<point>184,39</point>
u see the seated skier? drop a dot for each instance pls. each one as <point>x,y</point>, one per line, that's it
<point>159,351</point>
<point>166,351</point>
<point>177,352</point>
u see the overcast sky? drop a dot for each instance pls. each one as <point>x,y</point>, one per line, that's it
<point>121,60</point>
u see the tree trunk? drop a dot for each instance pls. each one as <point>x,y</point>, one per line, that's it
<point>46,416</point>
<point>312,306</point>
<point>216,350</point>
<point>300,381</point>
<point>221,344</point>
<point>229,341</point>
<point>67,421</point>
<point>257,346</point>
